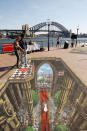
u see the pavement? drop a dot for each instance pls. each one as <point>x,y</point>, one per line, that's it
<point>7,62</point>
<point>77,62</point>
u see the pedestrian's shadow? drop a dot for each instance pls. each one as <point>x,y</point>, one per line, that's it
<point>6,68</point>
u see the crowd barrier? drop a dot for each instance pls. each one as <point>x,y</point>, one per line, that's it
<point>6,48</point>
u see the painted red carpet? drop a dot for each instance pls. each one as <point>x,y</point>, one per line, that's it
<point>44,110</point>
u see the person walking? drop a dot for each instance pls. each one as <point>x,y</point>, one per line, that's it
<point>17,50</point>
<point>23,45</point>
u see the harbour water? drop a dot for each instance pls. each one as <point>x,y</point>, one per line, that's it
<point>43,41</point>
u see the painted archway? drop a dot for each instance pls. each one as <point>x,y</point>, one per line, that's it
<point>53,69</point>
<point>45,77</point>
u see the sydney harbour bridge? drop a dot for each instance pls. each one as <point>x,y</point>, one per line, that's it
<point>53,27</point>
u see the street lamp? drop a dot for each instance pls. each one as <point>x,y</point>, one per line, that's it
<point>70,35</point>
<point>77,34</point>
<point>48,23</point>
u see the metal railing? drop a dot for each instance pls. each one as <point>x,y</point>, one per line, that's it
<point>44,43</point>
<point>53,43</point>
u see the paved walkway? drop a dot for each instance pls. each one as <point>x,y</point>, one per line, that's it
<point>77,62</point>
<point>7,62</point>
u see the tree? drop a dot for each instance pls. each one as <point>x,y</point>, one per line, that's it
<point>56,97</point>
<point>35,98</point>
<point>28,128</point>
<point>61,128</point>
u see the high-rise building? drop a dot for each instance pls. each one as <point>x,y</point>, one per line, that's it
<point>26,28</point>
<point>23,27</point>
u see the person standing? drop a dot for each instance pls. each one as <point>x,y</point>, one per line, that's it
<point>17,50</point>
<point>23,45</point>
<point>72,43</point>
<point>58,41</point>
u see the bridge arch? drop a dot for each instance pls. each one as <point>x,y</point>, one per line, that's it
<point>56,24</point>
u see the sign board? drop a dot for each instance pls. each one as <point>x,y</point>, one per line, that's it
<point>61,73</point>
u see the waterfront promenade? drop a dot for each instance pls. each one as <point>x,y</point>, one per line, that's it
<point>77,62</point>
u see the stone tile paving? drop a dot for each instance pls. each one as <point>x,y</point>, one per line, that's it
<point>52,109</point>
<point>36,117</point>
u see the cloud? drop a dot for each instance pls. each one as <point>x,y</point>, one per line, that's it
<point>45,68</point>
<point>40,71</point>
<point>48,68</point>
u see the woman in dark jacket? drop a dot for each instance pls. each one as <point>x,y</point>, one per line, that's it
<point>17,48</point>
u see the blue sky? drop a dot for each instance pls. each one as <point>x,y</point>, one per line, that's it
<point>70,13</point>
<point>45,69</point>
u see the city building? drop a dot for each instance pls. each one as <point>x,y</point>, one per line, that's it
<point>26,28</point>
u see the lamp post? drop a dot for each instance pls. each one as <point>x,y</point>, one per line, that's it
<point>70,35</point>
<point>48,23</point>
<point>77,34</point>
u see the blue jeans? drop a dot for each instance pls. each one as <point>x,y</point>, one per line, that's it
<point>23,59</point>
